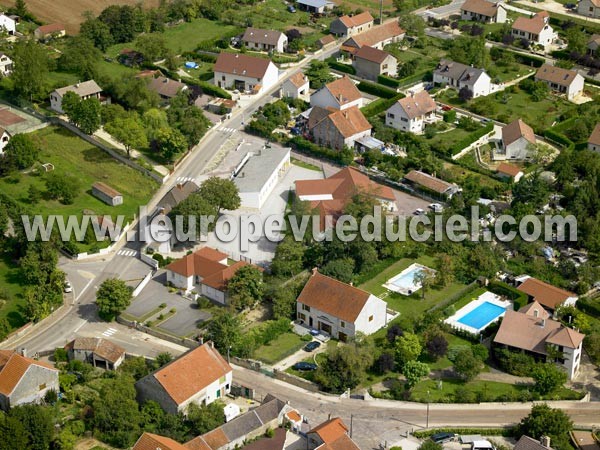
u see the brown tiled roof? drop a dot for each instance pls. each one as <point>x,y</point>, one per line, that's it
<point>298,79</point>
<point>417,105</point>
<point>165,86</point>
<point>89,87</point>
<point>293,416</point>
<point>343,90</point>
<point>357,20</point>
<point>344,442</point>
<point>545,294</point>
<point>595,136</point>
<point>371,54</point>
<point>105,189</point>
<point>508,169</point>
<point>177,194</point>
<point>192,372</point>
<point>375,35</point>
<point>349,121</point>
<point>327,39</point>
<point>203,262</point>
<point>482,7</point>
<point>566,337</point>
<point>216,438</point>
<point>557,75</point>
<point>428,181</point>
<point>51,28</point>
<point>198,443</point>
<point>148,73</point>
<point>533,25</point>
<point>527,443</point>
<point>330,430</point>
<point>149,441</point>
<point>333,297</point>
<point>260,36</point>
<point>277,442</point>
<point>239,64</point>
<point>13,367</point>
<point>516,130</point>
<point>219,279</point>
<point>534,309</point>
<point>102,347</point>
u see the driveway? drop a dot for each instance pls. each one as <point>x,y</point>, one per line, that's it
<point>300,355</point>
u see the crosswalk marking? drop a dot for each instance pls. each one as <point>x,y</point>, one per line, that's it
<point>127,252</point>
<point>109,332</point>
<point>184,179</point>
<point>226,129</point>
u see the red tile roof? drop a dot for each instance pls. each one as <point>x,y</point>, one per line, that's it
<point>219,279</point>
<point>533,25</point>
<point>595,136</point>
<point>298,79</point>
<point>343,90</point>
<point>545,294</point>
<point>192,372</point>
<point>203,262</point>
<point>51,28</point>
<point>515,130</point>
<point>417,105</point>
<point>374,36</point>
<point>240,64</point>
<point>508,169</point>
<point>333,297</point>
<point>149,441</point>
<point>342,443</point>
<point>357,20</point>
<point>13,367</point>
<point>428,181</point>
<point>483,7</point>
<point>331,430</point>
<point>349,121</point>
<point>557,75</point>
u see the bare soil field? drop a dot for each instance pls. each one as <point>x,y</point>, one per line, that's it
<point>70,12</point>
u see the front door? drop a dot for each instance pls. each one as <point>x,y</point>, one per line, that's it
<point>325,327</point>
<point>310,322</point>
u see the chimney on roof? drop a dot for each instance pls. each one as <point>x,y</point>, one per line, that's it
<point>211,344</point>
<point>545,441</point>
<point>543,323</point>
<point>315,271</point>
<point>340,98</point>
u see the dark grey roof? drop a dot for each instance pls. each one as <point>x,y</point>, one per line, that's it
<point>527,443</point>
<point>451,69</point>
<point>177,194</point>
<point>242,425</point>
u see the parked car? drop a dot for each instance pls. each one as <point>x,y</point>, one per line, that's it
<point>485,120</point>
<point>68,288</point>
<point>436,207</point>
<point>570,5</point>
<point>304,366</point>
<point>311,346</point>
<point>419,212</point>
<point>314,332</point>
<point>440,438</point>
<point>291,9</point>
<point>446,108</point>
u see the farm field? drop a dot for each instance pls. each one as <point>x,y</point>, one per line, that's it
<point>70,12</point>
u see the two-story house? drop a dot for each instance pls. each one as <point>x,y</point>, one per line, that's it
<point>594,139</point>
<point>411,113</point>
<point>338,128</point>
<point>332,434</point>
<point>483,11</point>
<point>24,380</point>
<point>85,90</point>
<point>245,73</point>
<point>339,94</point>
<point>338,309</point>
<point>346,26</point>
<point>296,86</point>
<point>517,139</point>
<point>377,37</point>
<point>6,65</point>
<point>563,81</point>
<point>370,62</point>
<point>199,376</point>
<point>536,29</point>
<point>547,295</point>
<point>457,75</point>
<point>264,40</point>
<point>589,8</point>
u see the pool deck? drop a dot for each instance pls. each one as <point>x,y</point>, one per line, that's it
<point>488,297</point>
<point>389,284</point>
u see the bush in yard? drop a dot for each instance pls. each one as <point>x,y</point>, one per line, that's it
<point>113,297</point>
<point>62,187</point>
<point>450,116</point>
<point>408,348</point>
<point>430,445</point>
<point>546,421</point>
<point>437,346</point>
<point>60,355</point>
<point>465,94</point>
<point>548,377</point>
<point>246,288</point>
<point>467,365</point>
<point>414,371</point>
<point>20,153</point>
<point>393,332</point>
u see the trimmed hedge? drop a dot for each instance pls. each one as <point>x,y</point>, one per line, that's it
<point>424,75</point>
<point>207,87</point>
<point>528,60</point>
<point>506,432</point>
<point>519,298</point>
<point>305,146</point>
<point>380,105</point>
<point>472,137</point>
<point>206,76</point>
<point>206,57</point>
<point>388,81</point>
<point>376,89</point>
<point>557,137</point>
<point>346,68</point>
<point>590,307</point>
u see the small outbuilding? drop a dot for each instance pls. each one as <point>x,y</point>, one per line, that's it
<point>107,194</point>
<point>98,352</point>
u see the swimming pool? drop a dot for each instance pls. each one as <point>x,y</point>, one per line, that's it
<point>404,282</point>
<point>482,316</point>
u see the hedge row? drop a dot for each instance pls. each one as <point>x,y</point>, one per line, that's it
<point>590,307</point>
<point>557,137</point>
<point>519,298</point>
<point>206,76</point>
<point>346,68</point>
<point>528,60</point>
<point>388,81</point>
<point>376,89</point>
<point>206,57</point>
<point>470,138</point>
<point>506,432</point>
<point>207,88</point>
<point>305,146</point>
<point>424,75</point>
<point>380,105</point>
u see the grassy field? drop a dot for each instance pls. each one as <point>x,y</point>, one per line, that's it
<point>10,293</point>
<point>282,347</point>
<point>73,156</point>
<point>413,305</point>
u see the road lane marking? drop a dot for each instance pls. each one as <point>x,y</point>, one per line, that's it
<point>79,327</point>
<point>84,289</point>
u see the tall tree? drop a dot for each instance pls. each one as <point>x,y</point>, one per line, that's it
<point>153,46</point>
<point>113,297</point>
<point>81,57</point>
<point>170,143</point>
<point>547,378</point>
<point>414,371</point>
<point>221,193</point>
<point>408,348</point>
<point>98,32</point>
<point>546,421</point>
<point>37,421</point>
<point>288,257</point>
<point>246,287</point>
<point>318,73</point>
<point>129,132</point>
<point>31,69</point>
<point>225,330</point>
<point>20,153</point>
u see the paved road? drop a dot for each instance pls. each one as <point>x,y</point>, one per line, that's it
<point>378,420</point>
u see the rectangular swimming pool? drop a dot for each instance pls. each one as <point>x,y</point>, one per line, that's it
<point>481,316</point>
<point>407,279</point>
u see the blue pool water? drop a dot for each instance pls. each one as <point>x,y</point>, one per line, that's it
<point>406,280</point>
<point>482,315</point>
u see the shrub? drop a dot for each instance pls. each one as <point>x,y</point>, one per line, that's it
<point>340,67</point>
<point>376,89</point>
<point>60,355</point>
<point>380,105</point>
<point>472,137</point>
<point>305,146</point>
<point>162,305</point>
<point>388,81</point>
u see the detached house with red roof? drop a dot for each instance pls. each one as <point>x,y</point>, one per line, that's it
<point>346,26</point>
<point>206,271</point>
<point>594,139</point>
<point>24,380</point>
<point>563,81</point>
<point>517,139</point>
<point>531,330</point>
<point>536,29</point>
<point>331,435</point>
<point>199,376</point>
<point>339,94</point>
<point>338,309</point>
<point>377,37</point>
<point>483,11</point>
<point>296,86</point>
<point>338,128</point>
<point>412,113</point>
<point>245,73</point>
<point>547,295</point>
<point>370,62</point>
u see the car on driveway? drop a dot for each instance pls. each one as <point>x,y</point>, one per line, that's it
<point>302,365</point>
<point>311,346</point>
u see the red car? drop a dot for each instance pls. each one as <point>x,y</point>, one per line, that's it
<point>446,108</point>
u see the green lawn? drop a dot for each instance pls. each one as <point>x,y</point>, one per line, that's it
<point>413,305</point>
<point>445,363</point>
<point>449,137</point>
<point>305,165</point>
<point>280,348</point>
<point>73,156</point>
<point>11,290</point>
<point>469,298</point>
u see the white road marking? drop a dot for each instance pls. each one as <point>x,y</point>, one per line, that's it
<point>127,252</point>
<point>184,179</point>
<point>84,289</point>
<point>79,327</point>
<point>109,332</point>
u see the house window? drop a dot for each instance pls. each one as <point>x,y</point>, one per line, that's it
<point>591,9</point>
<point>305,307</point>
<point>223,78</point>
<point>219,393</point>
<point>403,119</point>
<point>343,324</point>
<point>370,318</point>
<point>41,387</point>
<point>390,115</point>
